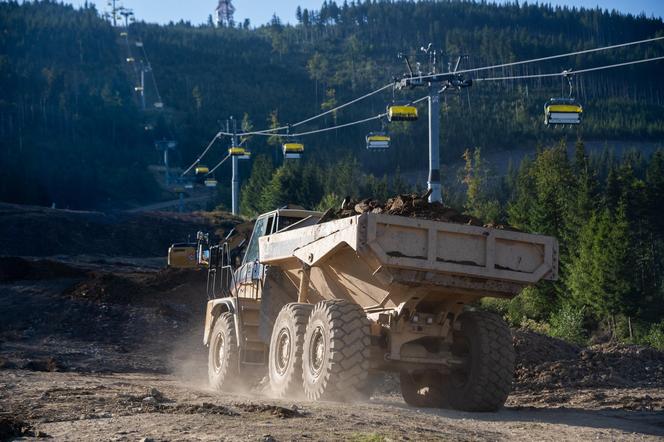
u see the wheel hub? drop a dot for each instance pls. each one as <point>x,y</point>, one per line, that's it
<point>283,353</point>
<point>317,351</point>
<point>219,351</point>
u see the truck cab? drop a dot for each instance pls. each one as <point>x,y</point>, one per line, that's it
<point>251,272</point>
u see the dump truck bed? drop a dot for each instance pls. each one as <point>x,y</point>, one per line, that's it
<point>391,253</point>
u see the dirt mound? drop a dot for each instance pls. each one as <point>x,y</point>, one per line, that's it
<point>14,269</point>
<point>544,362</point>
<point>67,232</point>
<point>274,410</point>
<point>533,348</point>
<point>412,206</point>
<point>48,365</point>
<point>156,403</point>
<point>11,428</point>
<point>182,286</point>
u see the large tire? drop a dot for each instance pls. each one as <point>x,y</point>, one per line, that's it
<point>335,362</point>
<point>223,356</point>
<point>422,389</point>
<point>286,344</point>
<point>485,381</point>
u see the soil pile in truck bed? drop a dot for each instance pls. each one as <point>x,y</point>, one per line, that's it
<point>412,206</point>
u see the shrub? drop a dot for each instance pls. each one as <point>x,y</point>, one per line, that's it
<point>567,324</point>
<point>538,327</point>
<point>655,336</point>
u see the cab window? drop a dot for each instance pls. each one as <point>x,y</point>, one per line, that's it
<point>263,226</point>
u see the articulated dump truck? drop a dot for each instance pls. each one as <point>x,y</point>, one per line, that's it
<point>321,307</point>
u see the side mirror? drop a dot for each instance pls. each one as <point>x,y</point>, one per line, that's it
<point>203,256</point>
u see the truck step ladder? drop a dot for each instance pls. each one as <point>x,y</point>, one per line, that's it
<point>254,351</point>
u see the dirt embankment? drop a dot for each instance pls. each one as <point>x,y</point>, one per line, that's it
<point>38,231</point>
<point>544,362</point>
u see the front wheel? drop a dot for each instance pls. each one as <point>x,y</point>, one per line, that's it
<point>335,361</point>
<point>223,355</point>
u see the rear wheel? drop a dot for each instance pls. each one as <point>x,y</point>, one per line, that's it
<point>223,355</point>
<point>335,361</point>
<point>422,388</point>
<point>285,361</point>
<point>485,380</point>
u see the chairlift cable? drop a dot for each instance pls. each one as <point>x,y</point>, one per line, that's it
<point>218,165</point>
<point>574,72</point>
<point>315,117</point>
<point>339,126</point>
<point>154,79</point>
<point>200,157</point>
<point>550,57</point>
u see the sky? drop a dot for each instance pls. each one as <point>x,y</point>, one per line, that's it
<point>260,11</point>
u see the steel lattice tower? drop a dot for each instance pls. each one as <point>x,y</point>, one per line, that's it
<point>224,12</point>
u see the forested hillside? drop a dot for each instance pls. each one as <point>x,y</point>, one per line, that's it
<point>72,133</point>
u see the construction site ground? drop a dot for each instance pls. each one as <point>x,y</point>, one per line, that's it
<point>109,347</point>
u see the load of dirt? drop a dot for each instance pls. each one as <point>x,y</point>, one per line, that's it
<point>547,363</point>
<point>410,205</point>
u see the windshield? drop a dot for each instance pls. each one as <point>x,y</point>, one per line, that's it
<point>252,249</point>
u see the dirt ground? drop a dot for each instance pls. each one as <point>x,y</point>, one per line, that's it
<point>93,406</point>
<point>110,349</point>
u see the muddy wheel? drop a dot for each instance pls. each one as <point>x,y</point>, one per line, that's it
<point>223,355</point>
<point>422,388</point>
<point>335,361</point>
<point>285,361</point>
<point>485,380</point>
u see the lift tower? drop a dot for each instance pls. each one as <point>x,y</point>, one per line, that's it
<point>231,125</point>
<point>436,83</point>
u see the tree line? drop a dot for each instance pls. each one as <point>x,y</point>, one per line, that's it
<point>72,133</point>
<point>606,213</point>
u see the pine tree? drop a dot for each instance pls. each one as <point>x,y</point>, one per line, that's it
<point>600,275</point>
<point>282,188</point>
<point>584,202</point>
<point>479,201</point>
<point>251,201</point>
